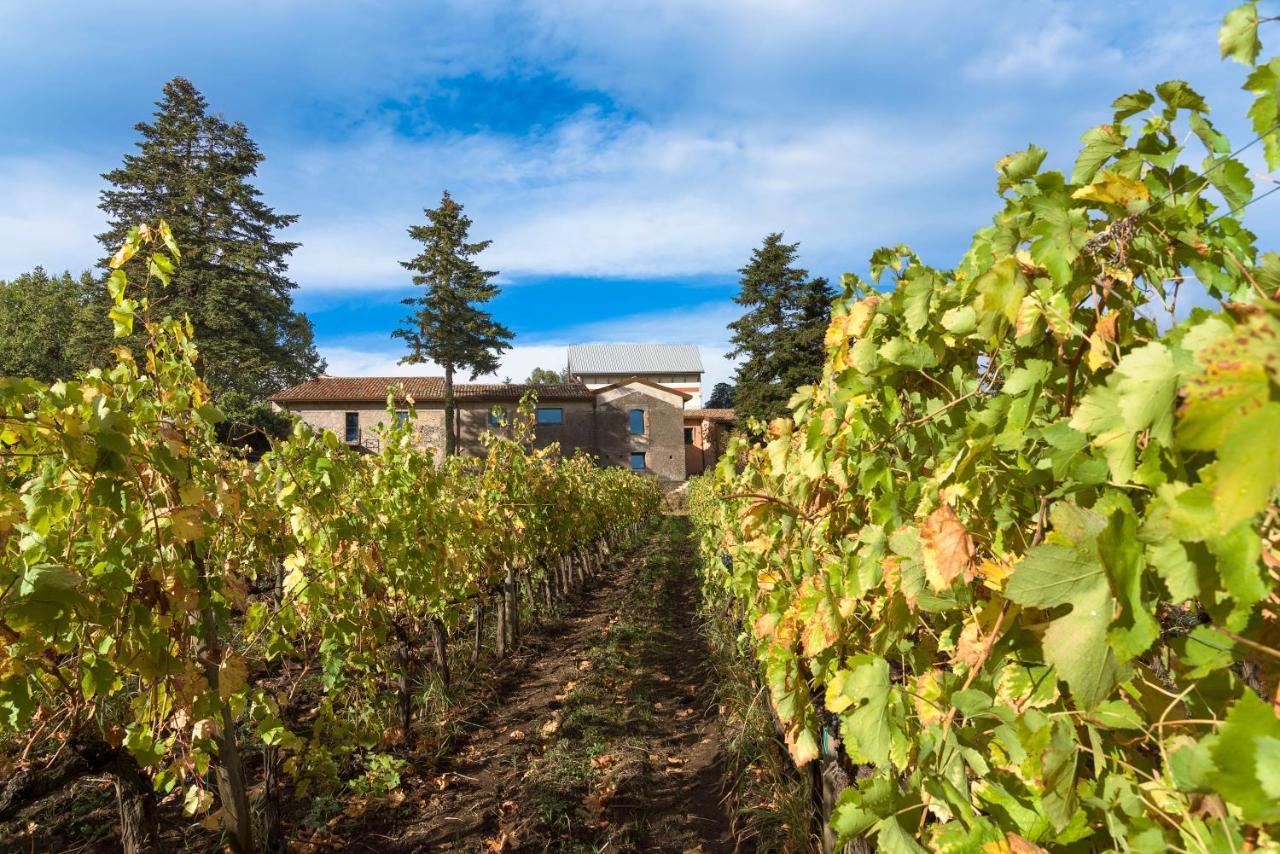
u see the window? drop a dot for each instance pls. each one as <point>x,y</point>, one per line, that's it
<point>637,460</point>
<point>637,421</point>
<point>497,417</point>
<point>402,416</point>
<point>550,415</point>
<point>688,435</point>
<point>353,427</point>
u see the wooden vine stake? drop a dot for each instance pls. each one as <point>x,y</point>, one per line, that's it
<point>440,647</point>
<point>477,618</point>
<point>511,597</point>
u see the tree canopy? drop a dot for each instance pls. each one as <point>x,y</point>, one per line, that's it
<point>39,315</point>
<point>722,395</point>
<point>194,170</point>
<point>780,335</point>
<point>545,376</point>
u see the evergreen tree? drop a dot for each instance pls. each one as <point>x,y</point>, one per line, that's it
<point>780,336</point>
<point>194,170</point>
<point>39,314</point>
<point>447,326</point>
<point>545,376</point>
<point>721,397</point>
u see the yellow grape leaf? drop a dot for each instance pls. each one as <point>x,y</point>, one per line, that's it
<point>1012,844</point>
<point>802,745</point>
<point>946,547</point>
<point>232,675</point>
<point>861,314</point>
<point>822,629</point>
<point>836,334</point>
<point>1113,188</point>
<point>928,697</point>
<point>187,523</point>
<point>993,573</point>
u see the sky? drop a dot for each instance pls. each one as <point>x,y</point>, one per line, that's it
<point>624,157</point>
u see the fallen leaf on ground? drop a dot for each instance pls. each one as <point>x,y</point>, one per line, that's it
<point>599,799</point>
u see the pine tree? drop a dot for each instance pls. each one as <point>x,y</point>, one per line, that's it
<point>447,327</point>
<point>780,336</point>
<point>194,170</point>
<point>38,317</point>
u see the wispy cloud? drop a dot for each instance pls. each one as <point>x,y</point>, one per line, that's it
<point>626,142</point>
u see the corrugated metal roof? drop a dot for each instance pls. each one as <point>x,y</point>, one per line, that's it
<point>425,389</point>
<point>634,359</point>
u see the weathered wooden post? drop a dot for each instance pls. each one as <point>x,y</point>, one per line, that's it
<point>440,646</point>
<point>477,616</point>
<point>500,610</point>
<point>512,600</point>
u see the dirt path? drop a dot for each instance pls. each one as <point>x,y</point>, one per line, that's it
<point>600,735</point>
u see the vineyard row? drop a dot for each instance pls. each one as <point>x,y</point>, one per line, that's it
<point>166,606</point>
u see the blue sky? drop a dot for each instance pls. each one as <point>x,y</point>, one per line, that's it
<point>624,157</point>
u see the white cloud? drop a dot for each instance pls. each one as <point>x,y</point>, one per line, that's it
<point>1058,50</point>
<point>49,215</point>
<point>598,197</point>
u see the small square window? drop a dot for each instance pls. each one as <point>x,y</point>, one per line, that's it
<point>637,460</point>
<point>550,415</point>
<point>402,416</point>
<point>688,435</point>
<point>497,417</point>
<point>353,427</point>
<point>636,417</point>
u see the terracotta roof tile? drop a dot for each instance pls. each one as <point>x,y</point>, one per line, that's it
<point>711,414</point>
<point>423,389</point>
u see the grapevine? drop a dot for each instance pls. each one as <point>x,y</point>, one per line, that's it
<point>1015,553</point>
<point>162,597</point>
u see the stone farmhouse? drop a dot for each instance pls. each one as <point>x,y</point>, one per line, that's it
<point>631,420</point>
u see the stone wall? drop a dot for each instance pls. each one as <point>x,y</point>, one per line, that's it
<point>601,428</point>
<point>662,442</point>
<point>332,417</point>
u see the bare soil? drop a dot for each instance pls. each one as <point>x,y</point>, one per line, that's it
<point>601,734</point>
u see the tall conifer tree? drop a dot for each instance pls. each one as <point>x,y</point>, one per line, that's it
<point>447,326</point>
<point>194,170</point>
<point>780,336</point>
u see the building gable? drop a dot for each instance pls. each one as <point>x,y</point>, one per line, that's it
<point>640,385</point>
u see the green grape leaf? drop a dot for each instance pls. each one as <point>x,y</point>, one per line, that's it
<point>1179,95</point>
<point>1071,573</point>
<point>859,693</point>
<point>1244,740</point>
<point>1230,178</point>
<point>1238,37</point>
<point>1232,382</point>
<point>1264,83</point>
<point>1018,167</point>
<point>1215,141</point>
<point>1146,386</point>
<point>1100,144</point>
<point>1132,104</point>
<point>1248,468</point>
